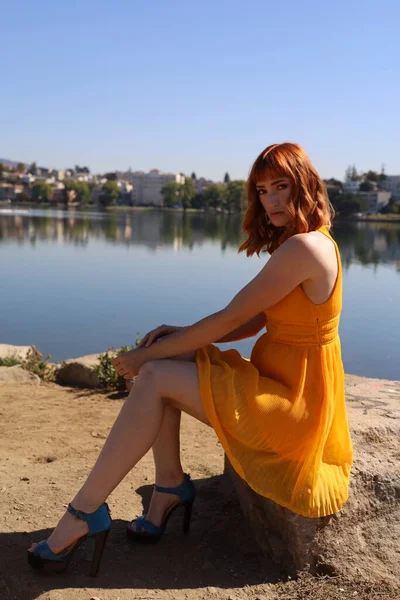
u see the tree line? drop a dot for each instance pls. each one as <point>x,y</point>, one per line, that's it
<point>230,196</point>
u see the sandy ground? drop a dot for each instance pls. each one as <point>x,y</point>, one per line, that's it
<point>49,439</point>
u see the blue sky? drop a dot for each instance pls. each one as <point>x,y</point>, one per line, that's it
<point>203,87</point>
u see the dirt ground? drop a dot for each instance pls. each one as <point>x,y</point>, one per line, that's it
<point>49,439</point>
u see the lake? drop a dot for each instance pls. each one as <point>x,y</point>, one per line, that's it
<point>75,282</point>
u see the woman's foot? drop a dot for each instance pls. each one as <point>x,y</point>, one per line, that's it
<point>161,502</point>
<point>68,530</point>
<point>56,553</point>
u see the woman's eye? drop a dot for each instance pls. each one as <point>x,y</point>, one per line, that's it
<point>260,192</point>
<point>282,186</point>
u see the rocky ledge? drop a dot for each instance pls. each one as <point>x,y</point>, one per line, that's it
<point>363,538</point>
<point>73,372</point>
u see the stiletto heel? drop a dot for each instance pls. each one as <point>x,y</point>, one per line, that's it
<point>99,524</point>
<point>187,517</point>
<point>100,541</point>
<point>146,532</point>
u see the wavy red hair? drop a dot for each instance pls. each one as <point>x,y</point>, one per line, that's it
<point>309,206</point>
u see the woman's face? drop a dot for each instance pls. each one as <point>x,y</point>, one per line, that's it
<point>274,195</point>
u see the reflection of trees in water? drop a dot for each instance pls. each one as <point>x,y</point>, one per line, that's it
<point>194,229</point>
<point>366,243</point>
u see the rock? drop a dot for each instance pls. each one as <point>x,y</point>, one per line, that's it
<point>78,372</point>
<point>364,534</point>
<point>98,434</point>
<point>17,375</point>
<point>19,352</point>
<point>90,360</point>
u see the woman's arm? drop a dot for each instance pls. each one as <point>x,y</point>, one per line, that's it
<point>291,264</point>
<point>245,331</point>
<point>206,331</point>
<point>294,262</point>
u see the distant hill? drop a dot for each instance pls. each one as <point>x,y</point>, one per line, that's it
<point>9,163</point>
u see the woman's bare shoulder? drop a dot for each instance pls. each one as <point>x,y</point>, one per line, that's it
<point>315,242</point>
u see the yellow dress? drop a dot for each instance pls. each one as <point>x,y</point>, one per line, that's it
<point>281,415</point>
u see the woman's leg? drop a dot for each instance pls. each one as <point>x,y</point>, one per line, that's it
<point>166,450</point>
<point>168,468</point>
<point>160,383</point>
<point>167,459</point>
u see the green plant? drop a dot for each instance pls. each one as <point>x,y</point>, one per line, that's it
<point>108,376</point>
<point>35,363</point>
<point>10,361</point>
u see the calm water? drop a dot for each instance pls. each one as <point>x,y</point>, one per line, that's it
<point>75,283</point>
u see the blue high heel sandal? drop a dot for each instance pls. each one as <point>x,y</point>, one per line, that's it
<point>146,532</point>
<point>99,523</point>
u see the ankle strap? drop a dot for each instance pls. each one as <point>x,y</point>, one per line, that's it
<point>77,513</point>
<point>176,490</point>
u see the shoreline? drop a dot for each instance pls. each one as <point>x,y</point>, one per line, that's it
<point>388,218</point>
<point>92,207</point>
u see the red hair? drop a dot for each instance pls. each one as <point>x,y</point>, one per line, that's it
<point>309,207</point>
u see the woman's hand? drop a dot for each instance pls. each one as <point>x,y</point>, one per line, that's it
<point>129,363</point>
<point>157,333</point>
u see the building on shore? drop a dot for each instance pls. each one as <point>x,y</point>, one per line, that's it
<point>10,191</point>
<point>375,200</point>
<point>351,187</point>
<point>392,184</point>
<point>147,186</point>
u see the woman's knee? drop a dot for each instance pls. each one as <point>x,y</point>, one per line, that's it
<point>151,375</point>
<point>162,373</point>
<point>145,378</point>
<point>148,371</point>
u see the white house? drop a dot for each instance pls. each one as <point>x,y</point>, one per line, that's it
<point>376,200</point>
<point>392,184</point>
<point>147,186</point>
<point>351,187</point>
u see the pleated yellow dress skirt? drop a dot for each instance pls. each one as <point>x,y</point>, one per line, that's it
<point>281,415</point>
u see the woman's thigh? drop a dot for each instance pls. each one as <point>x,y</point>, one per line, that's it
<point>177,382</point>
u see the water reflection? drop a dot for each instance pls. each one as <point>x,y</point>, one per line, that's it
<point>151,229</point>
<point>369,243</point>
<point>359,242</point>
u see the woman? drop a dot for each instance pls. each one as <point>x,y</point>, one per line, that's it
<point>280,416</point>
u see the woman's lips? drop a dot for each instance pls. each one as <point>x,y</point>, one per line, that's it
<point>280,212</point>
